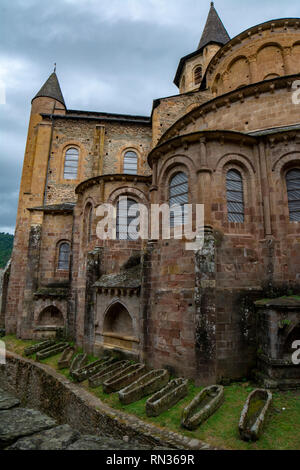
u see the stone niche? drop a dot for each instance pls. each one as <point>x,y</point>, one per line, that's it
<point>118,305</point>
<point>278,328</point>
<point>50,313</point>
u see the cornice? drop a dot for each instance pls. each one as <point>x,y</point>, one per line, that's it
<point>226,100</point>
<point>111,178</point>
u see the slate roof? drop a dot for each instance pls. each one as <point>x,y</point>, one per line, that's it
<point>214,30</point>
<point>129,278</point>
<point>51,89</point>
<point>65,207</point>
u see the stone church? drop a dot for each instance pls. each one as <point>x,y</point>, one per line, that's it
<point>230,139</point>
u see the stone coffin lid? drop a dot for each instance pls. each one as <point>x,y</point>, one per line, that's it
<point>129,278</point>
<point>57,292</point>
<point>292,302</point>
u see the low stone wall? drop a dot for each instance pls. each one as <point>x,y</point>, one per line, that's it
<point>42,388</point>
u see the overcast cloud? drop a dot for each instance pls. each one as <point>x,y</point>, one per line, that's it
<point>111,55</point>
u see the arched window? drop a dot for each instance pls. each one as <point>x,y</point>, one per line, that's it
<point>198,75</point>
<point>130,163</point>
<point>64,257</point>
<point>124,231</point>
<point>179,196</point>
<point>71,164</point>
<point>235,197</point>
<point>293,190</point>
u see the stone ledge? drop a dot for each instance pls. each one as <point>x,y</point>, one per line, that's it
<point>69,403</point>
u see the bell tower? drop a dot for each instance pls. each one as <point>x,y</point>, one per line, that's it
<point>49,100</point>
<point>192,67</point>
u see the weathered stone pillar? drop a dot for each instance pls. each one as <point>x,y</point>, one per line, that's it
<point>205,301</point>
<point>265,189</point>
<point>269,241</point>
<point>146,291</point>
<point>25,322</point>
<point>3,293</point>
<point>93,272</point>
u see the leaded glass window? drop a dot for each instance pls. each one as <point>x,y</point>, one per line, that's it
<point>293,189</point>
<point>235,197</point>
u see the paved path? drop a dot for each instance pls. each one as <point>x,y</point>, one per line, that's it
<point>25,429</point>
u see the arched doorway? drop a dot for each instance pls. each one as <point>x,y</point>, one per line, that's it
<point>51,316</point>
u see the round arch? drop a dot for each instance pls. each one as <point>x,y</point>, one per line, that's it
<point>51,316</point>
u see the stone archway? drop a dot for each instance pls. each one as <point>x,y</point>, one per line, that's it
<point>117,320</point>
<point>51,316</point>
<point>293,336</point>
<point>118,328</point>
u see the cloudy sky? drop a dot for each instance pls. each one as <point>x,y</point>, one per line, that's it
<point>112,55</point>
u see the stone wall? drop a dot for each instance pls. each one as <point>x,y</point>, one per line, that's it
<point>98,153</point>
<point>40,387</point>
<point>260,53</point>
<point>261,106</point>
<point>187,78</point>
<point>167,111</point>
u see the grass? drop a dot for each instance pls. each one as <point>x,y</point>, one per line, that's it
<point>281,432</point>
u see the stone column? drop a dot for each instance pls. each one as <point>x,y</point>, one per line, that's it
<point>93,273</point>
<point>205,318</point>
<point>154,187</point>
<point>253,68</point>
<point>287,61</point>
<point>225,79</point>
<point>269,241</point>
<point>204,183</point>
<point>25,322</point>
<point>265,189</point>
<point>4,280</point>
<point>145,307</point>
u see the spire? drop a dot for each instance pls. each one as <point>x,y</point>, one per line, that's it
<point>51,89</point>
<point>214,30</point>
